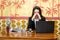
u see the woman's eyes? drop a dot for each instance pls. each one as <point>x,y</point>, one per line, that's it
<point>36,12</point>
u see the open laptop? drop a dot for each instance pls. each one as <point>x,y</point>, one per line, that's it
<point>45,26</point>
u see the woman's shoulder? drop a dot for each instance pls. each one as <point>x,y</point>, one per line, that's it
<point>43,18</point>
<point>29,17</point>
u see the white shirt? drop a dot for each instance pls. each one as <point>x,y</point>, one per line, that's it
<point>35,21</point>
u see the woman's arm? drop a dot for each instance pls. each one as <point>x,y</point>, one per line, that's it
<point>43,19</point>
<point>31,24</point>
<point>33,17</point>
<point>36,16</point>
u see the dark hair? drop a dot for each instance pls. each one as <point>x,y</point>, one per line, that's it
<point>36,7</point>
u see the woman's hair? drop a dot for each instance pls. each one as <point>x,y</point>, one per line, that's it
<point>38,8</point>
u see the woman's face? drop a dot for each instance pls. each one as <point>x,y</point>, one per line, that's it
<point>36,11</point>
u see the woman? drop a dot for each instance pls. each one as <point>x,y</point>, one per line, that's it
<point>36,16</point>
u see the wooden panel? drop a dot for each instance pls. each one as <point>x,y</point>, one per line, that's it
<point>29,36</point>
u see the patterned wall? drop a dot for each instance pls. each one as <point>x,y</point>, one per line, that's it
<point>57,27</point>
<point>23,24</point>
<point>17,8</point>
<point>14,24</point>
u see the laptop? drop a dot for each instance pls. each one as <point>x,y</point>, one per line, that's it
<point>45,26</point>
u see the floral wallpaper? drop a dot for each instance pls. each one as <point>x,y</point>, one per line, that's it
<point>22,8</point>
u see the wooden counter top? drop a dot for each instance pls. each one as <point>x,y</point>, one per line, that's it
<point>28,35</point>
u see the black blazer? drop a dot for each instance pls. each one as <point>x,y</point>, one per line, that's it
<point>31,23</point>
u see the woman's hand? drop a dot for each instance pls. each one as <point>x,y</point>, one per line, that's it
<point>33,17</point>
<point>36,15</point>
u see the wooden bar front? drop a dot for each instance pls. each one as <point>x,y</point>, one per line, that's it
<point>28,36</point>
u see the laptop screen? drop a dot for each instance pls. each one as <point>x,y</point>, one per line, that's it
<point>45,26</point>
